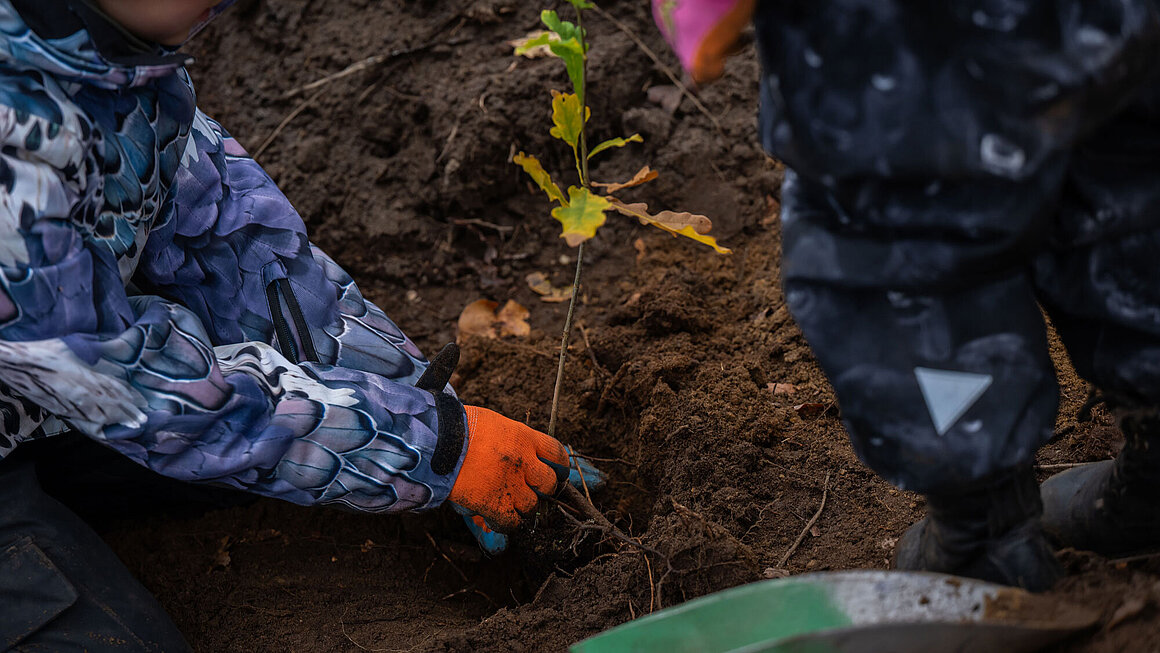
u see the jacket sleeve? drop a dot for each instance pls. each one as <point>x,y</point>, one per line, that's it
<point>149,376</point>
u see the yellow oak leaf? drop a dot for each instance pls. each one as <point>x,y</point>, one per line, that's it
<point>566,112</point>
<point>689,225</point>
<point>535,170</point>
<point>583,215</point>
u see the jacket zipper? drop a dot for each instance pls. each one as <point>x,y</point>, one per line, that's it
<point>299,320</point>
<point>277,291</point>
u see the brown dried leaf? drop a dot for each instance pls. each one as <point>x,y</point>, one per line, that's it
<point>221,559</point>
<point>642,176</point>
<point>480,318</point>
<point>781,388</point>
<point>640,248</point>
<point>539,283</point>
<point>367,546</point>
<point>513,320</point>
<point>477,319</point>
<point>809,409</point>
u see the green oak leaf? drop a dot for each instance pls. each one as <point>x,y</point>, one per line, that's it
<point>615,142</point>
<point>583,215</point>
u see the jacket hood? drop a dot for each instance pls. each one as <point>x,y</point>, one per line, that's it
<point>72,39</point>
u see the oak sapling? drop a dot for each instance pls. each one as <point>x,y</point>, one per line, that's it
<point>581,211</point>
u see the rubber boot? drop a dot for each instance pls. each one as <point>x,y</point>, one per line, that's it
<point>992,534</point>
<point>1111,507</point>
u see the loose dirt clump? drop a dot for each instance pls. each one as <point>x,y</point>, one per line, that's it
<point>689,382</point>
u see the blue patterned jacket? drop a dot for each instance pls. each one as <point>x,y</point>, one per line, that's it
<point>158,293</point>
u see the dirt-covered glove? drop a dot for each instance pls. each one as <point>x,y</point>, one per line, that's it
<point>507,468</point>
<point>702,32</point>
<point>581,474</point>
<point>494,462</point>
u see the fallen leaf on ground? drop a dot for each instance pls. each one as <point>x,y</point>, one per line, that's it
<point>539,283</point>
<point>781,388</point>
<point>810,409</point>
<point>640,248</point>
<point>367,546</point>
<point>667,96</point>
<point>480,318</point>
<point>513,320</point>
<point>221,559</point>
<point>642,176</point>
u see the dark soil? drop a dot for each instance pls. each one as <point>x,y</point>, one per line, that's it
<point>402,172</point>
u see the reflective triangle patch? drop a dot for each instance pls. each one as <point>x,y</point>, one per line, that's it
<point>949,394</point>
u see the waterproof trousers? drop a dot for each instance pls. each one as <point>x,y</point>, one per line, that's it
<point>954,168</point>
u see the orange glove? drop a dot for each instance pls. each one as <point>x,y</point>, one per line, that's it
<point>507,468</point>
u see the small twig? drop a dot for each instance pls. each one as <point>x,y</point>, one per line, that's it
<point>285,121</point>
<point>1058,466</point>
<point>651,584</point>
<point>1136,558</point>
<point>588,347</point>
<point>476,222</point>
<point>573,496</point>
<point>576,464</point>
<point>665,69</point>
<point>810,524</point>
<point>360,65</point>
<point>470,590</point>
<point>440,552</point>
<point>620,372</point>
<point>426,639</point>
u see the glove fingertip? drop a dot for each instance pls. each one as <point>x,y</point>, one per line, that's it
<point>491,541</point>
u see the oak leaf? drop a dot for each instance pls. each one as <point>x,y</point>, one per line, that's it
<point>615,142</point>
<point>480,318</point>
<point>566,112</point>
<point>689,225</point>
<point>539,283</point>
<point>535,170</point>
<point>642,176</point>
<point>583,215</point>
<point>535,44</point>
<point>569,48</point>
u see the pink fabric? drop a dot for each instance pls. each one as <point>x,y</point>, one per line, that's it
<point>686,23</point>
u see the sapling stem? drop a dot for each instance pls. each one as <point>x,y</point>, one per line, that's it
<point>564,341</point>
<point>581,92</point>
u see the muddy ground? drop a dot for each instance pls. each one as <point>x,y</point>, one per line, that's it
<point>402,172</point>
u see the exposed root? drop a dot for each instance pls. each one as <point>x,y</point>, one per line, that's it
<point>810,524</point>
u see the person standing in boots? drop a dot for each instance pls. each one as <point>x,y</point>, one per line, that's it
<point>953,169</point>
